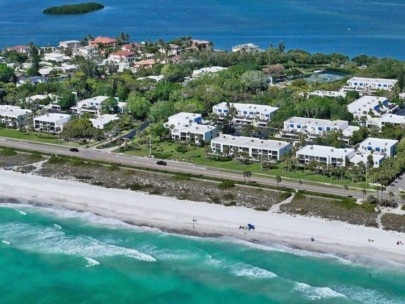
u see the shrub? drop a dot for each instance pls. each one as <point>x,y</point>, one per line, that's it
<point>181,149</point>
<point>8,152</point>
<point>57,160</point>
<point>403,207</point>
<point>229,196</point>
<point>215,199</point>
<point>36,156</point>
<point>226,184</point>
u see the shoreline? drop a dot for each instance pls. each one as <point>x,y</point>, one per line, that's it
<point>176,216</point>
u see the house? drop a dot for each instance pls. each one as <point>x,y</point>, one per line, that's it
<point>103,41</point>
<point>254,148</point>
<point>122,57</point>
<point>13,116</point>
<point>370,84</point>
<point>131,47</point>
<point>393,119</point>
<point>204,71</point>
<point>379,146</point>
<point>328,93</point>
<point>370,106</point>
<point>246,48</point>
<point>23,49</point>
<point>246,113</point>
<point>170,50</point>
<point>51,122</point>
<point>86,51</point>
<point>144,64</point>
<point>38,98</point>
<point>33,80</point>
<point>312,126</point>
<point>364,158</point>
<point>201,44</point>
<point>326,155</point>
<point>57,57</point>
<point>91,105</point>
<point>70,44</point>
<point>102,120</point>
<point>183,119</point>
<point>194,132</point>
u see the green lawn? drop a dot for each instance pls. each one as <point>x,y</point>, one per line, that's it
<point>198,156</point>
<point>33,136</point>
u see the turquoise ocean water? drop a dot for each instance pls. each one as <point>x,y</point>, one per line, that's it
<point>346,26</point>
<point>60,256</point>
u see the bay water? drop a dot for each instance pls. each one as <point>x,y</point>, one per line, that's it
<point>351,27</point>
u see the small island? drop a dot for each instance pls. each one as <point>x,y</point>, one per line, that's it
<point>73,9</point>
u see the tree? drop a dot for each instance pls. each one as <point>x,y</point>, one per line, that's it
<point>364,192</point>
<point>6,74</point>
<point>123,38</point>
<point>346,187</point>
<point>278,179</point>
<point>391,195</point>
<point>110,106</point>
<point>35,59</point>
<point>66,100</point>
<point>299,184</point>
<point>138,106</point>
<point>401,81</point>
<point>247,175</point>
<point>81,128</point>
<point>254,80</point>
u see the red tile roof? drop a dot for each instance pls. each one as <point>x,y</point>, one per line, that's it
<point>103,40</point>
<point>123,53</point>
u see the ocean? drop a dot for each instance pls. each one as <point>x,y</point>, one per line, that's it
<point>53,255</point>
<point>351,27</point>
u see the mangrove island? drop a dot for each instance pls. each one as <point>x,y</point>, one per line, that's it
<point>73,9</point>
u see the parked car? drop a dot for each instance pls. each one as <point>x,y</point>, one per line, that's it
<point>161,163</point>
<point>74,150</point>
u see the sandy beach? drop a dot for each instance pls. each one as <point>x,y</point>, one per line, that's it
<point>193,218</point>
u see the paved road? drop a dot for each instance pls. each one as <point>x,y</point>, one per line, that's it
<point>144,162</point>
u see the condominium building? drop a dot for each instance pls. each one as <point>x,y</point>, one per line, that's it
<point>245,113</point>
<point>246,48</point>
<point>91,105</point>
<point>362,83</point>
<point>102,120</point>
<point>51,122</point>
<point>312,126</point>
<point>325,155</point>
<point>254,148</point>
<point>195,132</point>
<point>370,105</point>
<point>379,146</point>
<point>12,116</point>
<point>183,119</point>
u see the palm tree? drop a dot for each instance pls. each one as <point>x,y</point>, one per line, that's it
<point>278,179</point>
<point>247,175</point>
<point>391,195</point>
<point>364,192</point>
<point>299,184</point>
<point>346,187</point>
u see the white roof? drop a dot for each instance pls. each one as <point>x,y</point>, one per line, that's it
<point>348,132</point>
<point>392,118</point>
<point>242,141</point>
<point>328,93</point>
<point>103,119</point>
<point>214,69</point>
<point>197,129</point>
<point>184,116</point>
<point>91,102</point>
<point>12,111</point>
<point>315,121</point>
<point>247,107</point>
<point>69,41</point>
<point>52,117</point>
<point>316,150</point>
<point>363,158</point>
<point>371,80</point>
<point>246,45</point>
<point>365,103</point>
<point>372,141</point>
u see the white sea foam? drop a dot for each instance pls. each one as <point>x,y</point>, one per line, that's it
<point>6,242</point>
<point>54,241</point>
<point>21,212</point>
<point>91,262</point>
<point>59,227</point>
<point>369,296</point>
<point>317,293</point>
<point>252,272</point>
<point>242,269</point>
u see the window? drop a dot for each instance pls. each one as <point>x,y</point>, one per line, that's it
<point>219,110</point>
<point>299,126</point>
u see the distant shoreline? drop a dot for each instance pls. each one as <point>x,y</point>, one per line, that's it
<point>73,9</point>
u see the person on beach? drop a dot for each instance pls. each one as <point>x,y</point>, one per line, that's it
<point>312,239</point>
